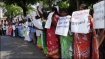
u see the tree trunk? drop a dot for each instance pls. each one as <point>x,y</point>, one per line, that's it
<point>72,6</point>
<point>24,7</point>
<point>24,10</point>
<point>77,4</point>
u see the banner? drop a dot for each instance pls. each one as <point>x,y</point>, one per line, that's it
<point>80,22</point>
<point>99,15</point>
<point>63,26</point>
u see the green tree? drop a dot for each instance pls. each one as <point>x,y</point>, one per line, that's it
<point>13,10</point>
<point>22,3</point>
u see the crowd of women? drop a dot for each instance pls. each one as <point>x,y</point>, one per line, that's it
<point>72,46</point>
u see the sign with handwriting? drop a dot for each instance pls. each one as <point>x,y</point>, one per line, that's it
<point>99,15</point>
<point>63,26</point>
<point>80,22</point>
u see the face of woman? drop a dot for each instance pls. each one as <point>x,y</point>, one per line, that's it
<point>80,8</point>
<point>63,13</point>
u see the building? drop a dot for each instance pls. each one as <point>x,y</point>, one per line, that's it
<point>2,19</point>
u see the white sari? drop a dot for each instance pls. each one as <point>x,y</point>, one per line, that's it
<point>27,37</point>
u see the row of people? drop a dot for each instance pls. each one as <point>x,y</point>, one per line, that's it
<point>74,45</point>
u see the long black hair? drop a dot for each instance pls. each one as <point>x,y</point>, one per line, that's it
<point>55,10</point>
<point>84,6</point>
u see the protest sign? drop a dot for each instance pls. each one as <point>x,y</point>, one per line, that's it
<point>63,26</point>
<point>20,18</point>
<point>49,20</point>
<point>80,22</point>
<point>38,23</point>
<point>32,15</point>
<point>99,15</point>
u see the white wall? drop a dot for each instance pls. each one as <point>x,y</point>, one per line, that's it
<point>1,13</point>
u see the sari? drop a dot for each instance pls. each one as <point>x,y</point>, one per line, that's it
<point>66,46</point>
<point>53,41</point>
<point>39,42</point>
<point>6,30</point>
<point>38,24</point>
<point>44,38</point>
<point>82,45</point>
<point>101,38</point>
<point>10,30</point>
<point>20,31</point>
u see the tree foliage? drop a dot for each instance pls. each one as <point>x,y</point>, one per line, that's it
<point>71,4</point>
<point>22,3</point>
<point>12,10</point>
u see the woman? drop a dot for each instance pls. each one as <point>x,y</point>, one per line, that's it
<point>20,27</point>
<point>6,29</point>
<point>38,26</point>
<point>66,41</point>
<point>82,41</point>
<point>53,39</point>
<point>101,37</point>
<point>27,37</point>
<point>10,29</point>
<point>44,17</point>
<point>13,26</point>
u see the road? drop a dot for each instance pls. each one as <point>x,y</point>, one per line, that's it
<point>17,48</point>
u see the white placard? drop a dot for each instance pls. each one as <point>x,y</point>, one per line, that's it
<point>14,20</point>
<point>32,15</point>
<point>80,22</point>
<point>49,20</point>
<point>40,7</point>
<point>63,26</point>
<point>37,23</point>
<point>99,15</point>
<point>20,18</point>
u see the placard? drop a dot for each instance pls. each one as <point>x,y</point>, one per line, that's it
<point>63,26</point>
<point>49,20</point>
<point>99,15</point>
<point>20,18</point>
<point>32,15</point>
<point>80,22</point>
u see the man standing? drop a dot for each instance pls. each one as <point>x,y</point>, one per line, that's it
<point>32,32</point>
<point>0,30</point>
<point>13,32</point>
<point>4,29</point>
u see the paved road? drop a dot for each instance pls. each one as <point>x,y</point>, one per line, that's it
<point>16,48</point>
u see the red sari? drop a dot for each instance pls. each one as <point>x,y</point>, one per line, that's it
<point>10,29</point>
<point>82,45</point>
<point>53,41</point>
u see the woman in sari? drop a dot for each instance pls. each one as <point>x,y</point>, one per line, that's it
<point>82,41</point>
<point>53,39</point>
<point>66,41</point>
<point>38,27</point>
<point>10,29</point>
<point>20,27</point>
<point>43,17</point>
<point>101,38</point>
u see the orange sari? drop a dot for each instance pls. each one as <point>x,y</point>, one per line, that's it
<point>82,45</point>
<point>10,30</point>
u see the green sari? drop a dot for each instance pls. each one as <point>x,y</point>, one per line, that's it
<point>44,39</point>
<point>66,46</point>
<point>39,42</point>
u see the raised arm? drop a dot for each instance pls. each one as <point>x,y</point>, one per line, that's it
<point>39,11</point>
